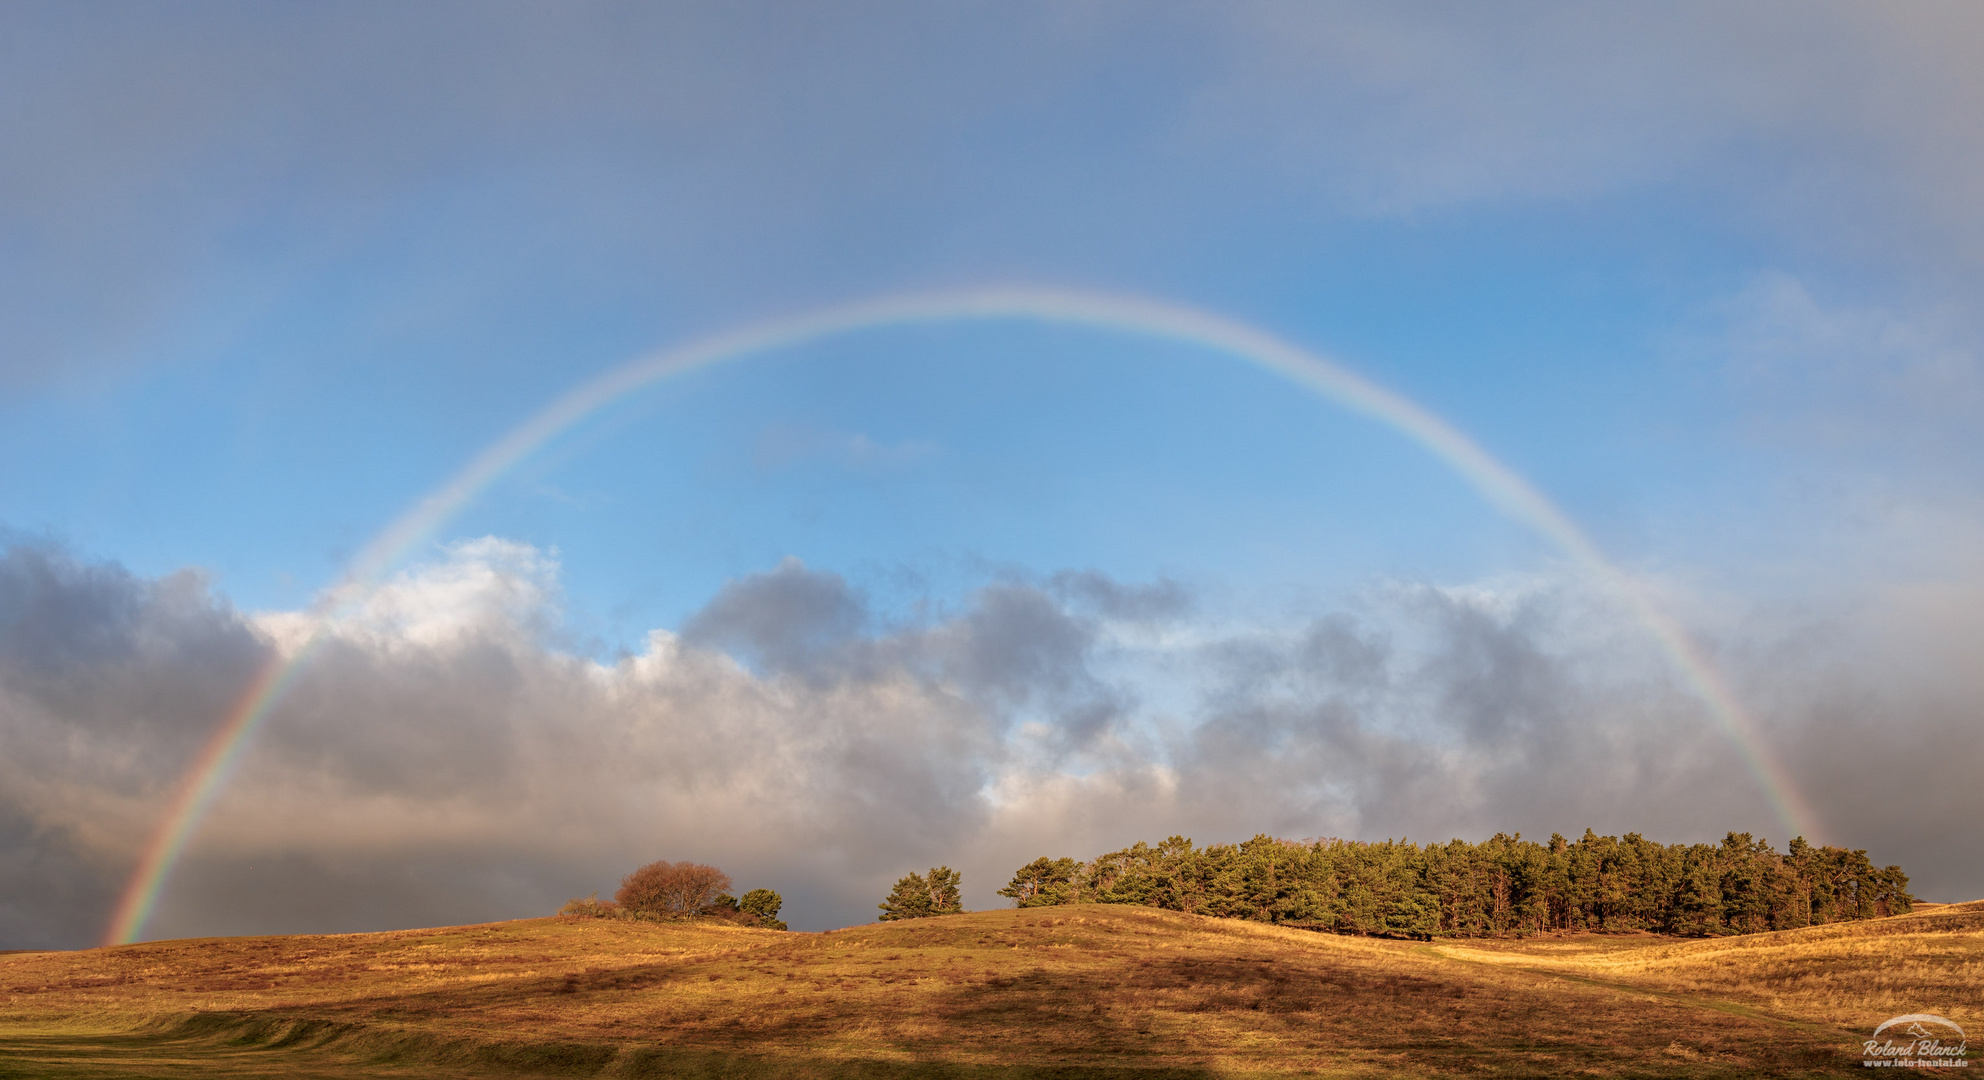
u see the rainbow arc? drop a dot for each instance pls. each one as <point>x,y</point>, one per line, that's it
<point>1136,316</point>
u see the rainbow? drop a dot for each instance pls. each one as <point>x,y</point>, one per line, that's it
<point>1136,316</point>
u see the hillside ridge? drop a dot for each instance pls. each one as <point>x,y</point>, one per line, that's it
<point>1137,991</point>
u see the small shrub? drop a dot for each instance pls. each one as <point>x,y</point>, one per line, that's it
<point>591,907</point>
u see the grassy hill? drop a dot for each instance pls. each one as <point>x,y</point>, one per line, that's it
<point>1086,990</point>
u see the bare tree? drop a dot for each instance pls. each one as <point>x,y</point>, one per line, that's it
<point>666,888</point>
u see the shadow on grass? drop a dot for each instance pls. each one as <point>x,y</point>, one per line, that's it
<point>1098,1008</point>
<point>251,1047</point>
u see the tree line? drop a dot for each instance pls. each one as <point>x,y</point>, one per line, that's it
<point>1505,885</point>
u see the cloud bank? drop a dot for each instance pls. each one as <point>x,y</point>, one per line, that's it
<point>446,759</point>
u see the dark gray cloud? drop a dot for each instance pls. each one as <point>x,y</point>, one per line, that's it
<point>439,760</point>
<point>1017,650</point>
<point>784,620</point>
<point>1157,602</point>
<point>55,892</point>
<point>108,683</point>
<point>1456,707</point>
<point>100,647</point>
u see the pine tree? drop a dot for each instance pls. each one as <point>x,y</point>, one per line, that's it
<point>918,896</point>
<point>910,899</point>
<point>944,896</point>
<point>763,903</point>
<point>1042,883</point>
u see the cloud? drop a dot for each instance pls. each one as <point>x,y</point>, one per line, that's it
<point>785,445</point>
<point>441,759</point>
<point>1158,602</point>
<point>177,175</point>
<point>108,683</point>
<point>1819,123</point>
<point>783,620</point>
<point>55,890</point>
<point>1850,374</point>
<point>1858,419</point>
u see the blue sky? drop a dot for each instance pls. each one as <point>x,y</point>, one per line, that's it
<point>1707,278</point>
<point>268,455</point>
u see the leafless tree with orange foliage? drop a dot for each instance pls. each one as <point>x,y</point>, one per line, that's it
<point>666,888</point>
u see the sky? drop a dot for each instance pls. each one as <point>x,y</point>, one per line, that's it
<point>972,591</point>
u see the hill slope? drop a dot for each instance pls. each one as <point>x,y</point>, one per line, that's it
<point>1090,989</point>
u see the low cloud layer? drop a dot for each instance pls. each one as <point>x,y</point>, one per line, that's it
<point>441,759</point>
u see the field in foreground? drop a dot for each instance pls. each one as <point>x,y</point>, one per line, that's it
<point>1086,990</point>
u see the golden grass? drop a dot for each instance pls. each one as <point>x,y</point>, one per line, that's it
<point>1086,990</point>
<point>1848,975</point>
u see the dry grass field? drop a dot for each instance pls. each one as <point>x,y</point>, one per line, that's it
<point>1077,991</point>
